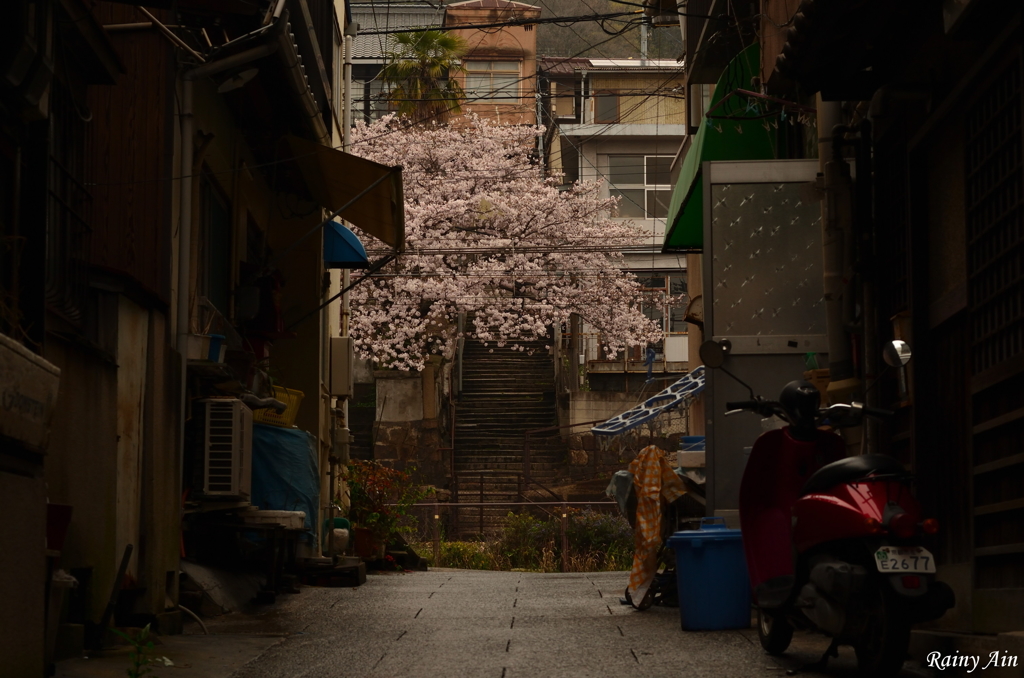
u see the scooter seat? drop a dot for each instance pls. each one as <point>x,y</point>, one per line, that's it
<point>848,470</point>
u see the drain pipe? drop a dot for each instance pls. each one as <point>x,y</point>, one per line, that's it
<point>185,214</point>
<point>187,127</point>
<point>341,439</point>
<point>867,256</point>
<point>837,222</point>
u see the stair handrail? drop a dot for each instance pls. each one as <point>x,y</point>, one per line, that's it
<point>524,498</point>
<point>520,492</point>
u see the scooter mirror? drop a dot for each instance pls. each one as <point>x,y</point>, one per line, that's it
<point>895,354</point>
<point>712,353</point>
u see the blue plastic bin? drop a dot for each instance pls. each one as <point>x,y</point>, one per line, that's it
<point>691,444</point>
<point>711,574</point>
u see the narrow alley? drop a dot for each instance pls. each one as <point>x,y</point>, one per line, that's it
<point>463,295</point>
<point>467,623</point>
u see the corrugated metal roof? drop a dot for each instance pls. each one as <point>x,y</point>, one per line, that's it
<point>635,64</point>
<point>569,66</point>
<point>562,65</point>
<point>372,17</point>
<point>491,4</point>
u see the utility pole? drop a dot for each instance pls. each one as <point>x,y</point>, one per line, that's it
<point>645,28</point>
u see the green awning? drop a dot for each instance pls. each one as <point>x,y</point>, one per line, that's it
<point>717,139</point>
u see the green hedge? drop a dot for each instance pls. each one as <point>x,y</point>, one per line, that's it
<point>596,542</point>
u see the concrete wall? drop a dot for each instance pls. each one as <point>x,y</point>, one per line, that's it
<point>399,396</point>
<point>132,345</point>
<point>409,430</point>
<point>23,564</point>
<point>161,471</point>
<point>113,453</point>
<point>114,458</point>
<point>81,465</point>
<point>594,405</point>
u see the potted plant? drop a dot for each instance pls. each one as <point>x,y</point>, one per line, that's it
<point>381,499</point>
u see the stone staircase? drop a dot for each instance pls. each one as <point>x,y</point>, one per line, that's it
<point>505,392</point>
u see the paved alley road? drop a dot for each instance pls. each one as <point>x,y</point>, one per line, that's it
<point>454,623</point>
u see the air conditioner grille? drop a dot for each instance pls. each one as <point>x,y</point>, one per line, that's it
<point>226,447</point>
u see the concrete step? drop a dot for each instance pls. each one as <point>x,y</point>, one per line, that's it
<point>491,424</point>
<point>505,392</point>
<point>527,400</point>
<point>497,409</point>
<point>497,457</point>
<point>464,449</point>
<point>471,471</point>
<point>465,439</point>
<point>511,387</point>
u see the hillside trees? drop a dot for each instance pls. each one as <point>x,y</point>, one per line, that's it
<point>487,233</point>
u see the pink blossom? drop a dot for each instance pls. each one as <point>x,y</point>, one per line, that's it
<point>487,233</point>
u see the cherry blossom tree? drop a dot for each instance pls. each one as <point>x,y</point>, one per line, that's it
<point>487,233</point>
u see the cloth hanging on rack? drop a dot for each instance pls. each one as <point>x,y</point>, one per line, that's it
<point>654,481</point>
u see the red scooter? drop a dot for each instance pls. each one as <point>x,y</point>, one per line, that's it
<point>833,543</point>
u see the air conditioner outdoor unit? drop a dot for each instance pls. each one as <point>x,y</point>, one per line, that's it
<point>227,447</point>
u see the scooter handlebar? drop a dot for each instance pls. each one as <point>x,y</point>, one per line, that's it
<point>877,412</point>
<point>742,405</point>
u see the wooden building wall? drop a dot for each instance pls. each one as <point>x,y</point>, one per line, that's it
<point>950,209</point>
<point>131,157</point>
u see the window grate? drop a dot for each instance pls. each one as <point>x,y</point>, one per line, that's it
<point>994,171</point>
<point>995,211</point>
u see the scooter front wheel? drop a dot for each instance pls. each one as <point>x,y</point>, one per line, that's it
<point>774,632</point>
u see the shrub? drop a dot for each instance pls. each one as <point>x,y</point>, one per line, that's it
<point>466,555</point>
<point>597,542</point>
<point>523,540</point>
<point>382,499</point>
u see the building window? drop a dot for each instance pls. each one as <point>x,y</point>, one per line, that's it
<point>677,311</point>
<point>642,184</point>
<point>492,81</point>
<point>570,158</point>
<point>565,100</point>
<point>68,209</point>
<point>11,242</point>
<point>606,107</point>
<point>369,94</point>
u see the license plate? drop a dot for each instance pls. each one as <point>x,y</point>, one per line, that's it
<point>905,559</point>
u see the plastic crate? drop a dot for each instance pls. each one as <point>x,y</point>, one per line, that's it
<point>714,591</point>
<point>291,398</point>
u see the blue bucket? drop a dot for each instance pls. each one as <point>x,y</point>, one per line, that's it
<point>711,575</point>
<point>691,443</point>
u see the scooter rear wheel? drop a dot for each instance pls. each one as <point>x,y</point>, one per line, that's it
<point>883,647</point>
<point>775,633</point>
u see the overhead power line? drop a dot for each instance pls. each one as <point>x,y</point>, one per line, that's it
<point>509,23</point>
<point>723,17</point>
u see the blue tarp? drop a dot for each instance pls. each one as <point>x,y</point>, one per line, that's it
<point>284,473</point>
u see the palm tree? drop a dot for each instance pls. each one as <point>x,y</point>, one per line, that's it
<point>419,74</point>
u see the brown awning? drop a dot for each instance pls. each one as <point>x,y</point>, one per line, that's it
<point>334,178</point>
